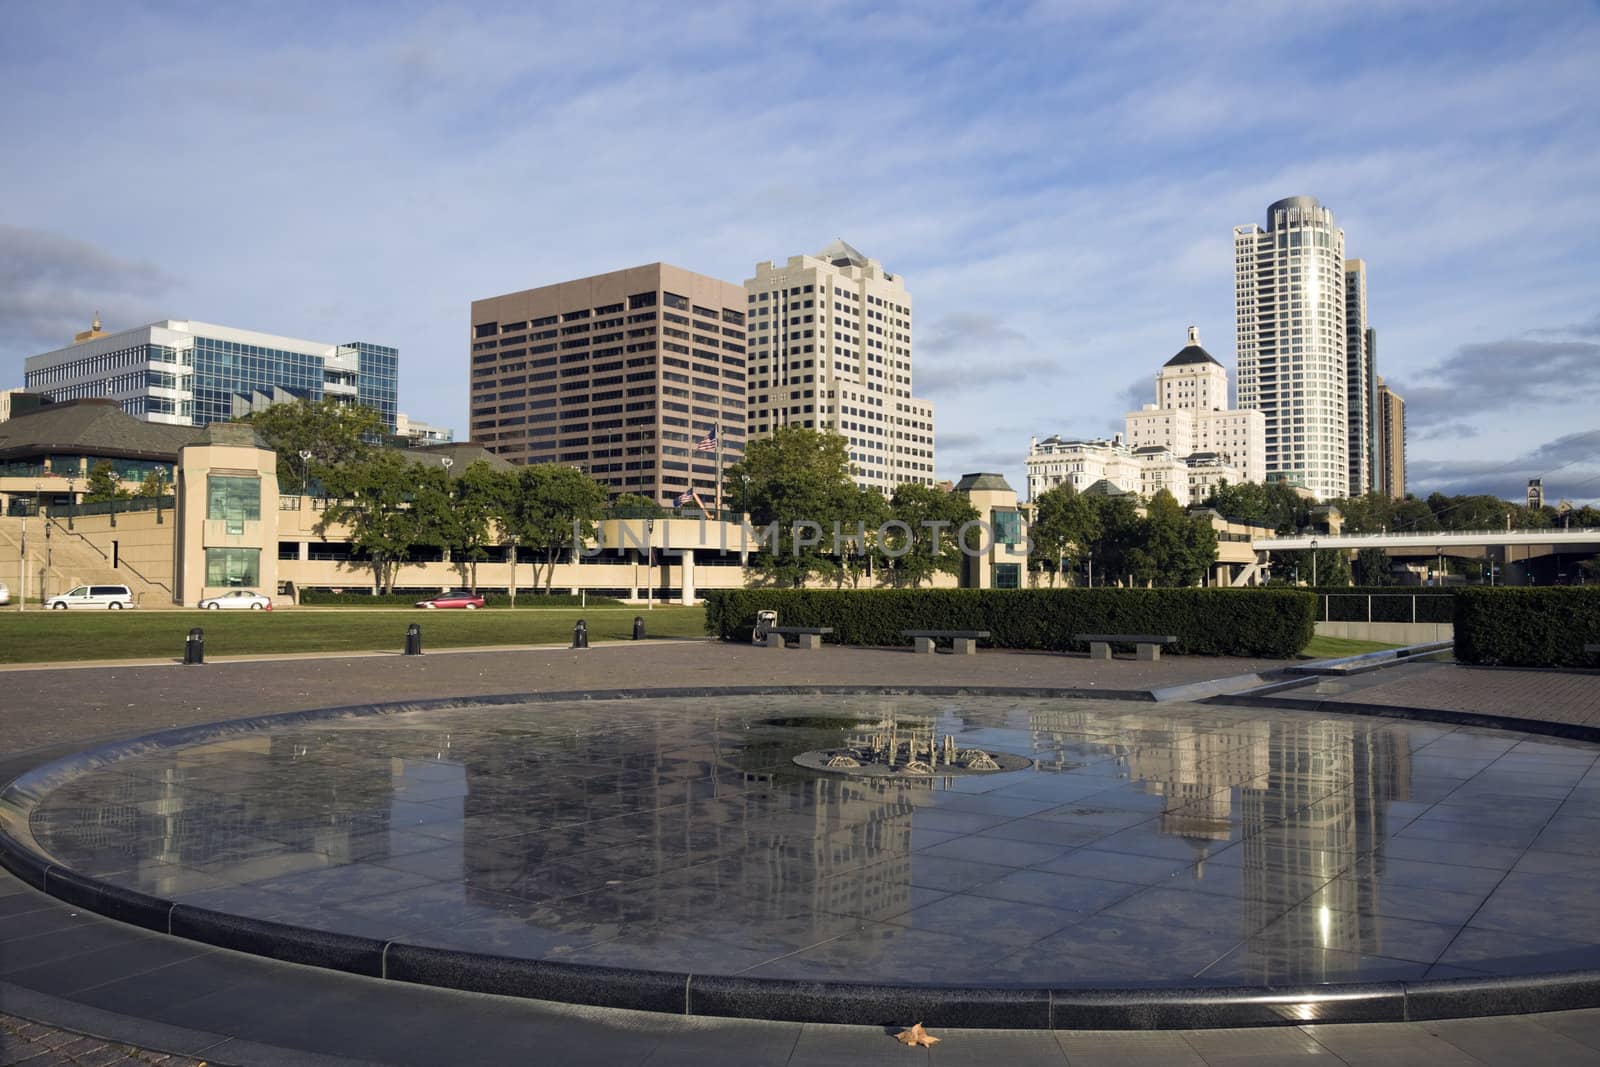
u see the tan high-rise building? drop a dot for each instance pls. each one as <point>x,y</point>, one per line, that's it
<point>830,349</point>
<point>1359,384</point>
<point>623,374</point>
<point>1392,441</point>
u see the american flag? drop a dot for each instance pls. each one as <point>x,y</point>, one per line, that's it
<point>683,498</point>
<point>708,443</point>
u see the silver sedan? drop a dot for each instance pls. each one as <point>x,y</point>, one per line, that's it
<point>242,599</point>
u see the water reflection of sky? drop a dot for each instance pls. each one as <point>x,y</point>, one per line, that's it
<point>1172,844</point>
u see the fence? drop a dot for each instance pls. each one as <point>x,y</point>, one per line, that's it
<point>1386,607</point>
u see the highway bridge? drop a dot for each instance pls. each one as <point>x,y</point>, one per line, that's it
<point>1521,557</point>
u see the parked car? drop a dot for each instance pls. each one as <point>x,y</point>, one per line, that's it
<point>242,599</point>
<point>5,594</point>
<point>114,597</point>
<point>455,598</point>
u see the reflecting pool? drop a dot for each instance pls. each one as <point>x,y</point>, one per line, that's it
<point>1145,845</point>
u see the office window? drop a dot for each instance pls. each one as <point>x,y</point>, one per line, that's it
<point>233,498</point>
<point>233,567</point>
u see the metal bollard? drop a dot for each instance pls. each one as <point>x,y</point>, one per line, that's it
<point>638,627</point>
<point>580,635</point>
<point>414,640</point>
<point>194,648</point>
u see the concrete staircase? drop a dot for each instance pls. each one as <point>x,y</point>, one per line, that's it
<point>65,560</point>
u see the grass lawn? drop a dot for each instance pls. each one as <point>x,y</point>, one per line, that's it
<point>1335,647</point>
<point>65,636</point>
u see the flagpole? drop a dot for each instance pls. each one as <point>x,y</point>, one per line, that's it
<point>719,471</point>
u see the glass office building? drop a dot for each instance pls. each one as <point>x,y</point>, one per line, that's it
<point>187,373</point>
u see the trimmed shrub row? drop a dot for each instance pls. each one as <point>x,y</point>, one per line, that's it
<point>1269,623</point>
<point>491,599</point>
<point>1527,627</point>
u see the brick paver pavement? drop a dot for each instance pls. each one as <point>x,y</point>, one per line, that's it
<point>1554,696</point>
<point>31,1044</point>
<point>44,712</point>
<point>57,706</point>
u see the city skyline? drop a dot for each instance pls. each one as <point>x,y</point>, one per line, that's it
<point>1058,188</point>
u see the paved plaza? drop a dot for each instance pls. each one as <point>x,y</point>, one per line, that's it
<point>978,873</point>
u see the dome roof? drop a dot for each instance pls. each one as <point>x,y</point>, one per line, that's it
<point>1192,352</point>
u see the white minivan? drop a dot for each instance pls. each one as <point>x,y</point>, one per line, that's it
<point>115,597</point>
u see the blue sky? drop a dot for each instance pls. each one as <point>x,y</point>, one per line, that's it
<point>1057,182</point>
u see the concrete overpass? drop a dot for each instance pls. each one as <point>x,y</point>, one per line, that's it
<point>1521,557</point>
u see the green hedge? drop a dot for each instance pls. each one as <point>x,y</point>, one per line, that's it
<point>491,599</point>
<point>1527,627</point>
<point>1216,622</point>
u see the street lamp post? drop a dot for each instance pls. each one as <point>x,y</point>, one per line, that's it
<point>1313,563</point>
<point>650,563</point>
<point>305,470</point>
<point>116,487</point>
<point>72,504</point>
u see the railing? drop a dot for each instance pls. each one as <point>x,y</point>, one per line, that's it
<point>1530,532</point>
<point>121,506</point>
<point>120,564</point>
<point>1386,607</point>
<point>692,514</point>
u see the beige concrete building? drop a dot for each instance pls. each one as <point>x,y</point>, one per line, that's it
<point>1001,559</point>
<point>227,497</point>
<point>830,349</point>
<point>421,433</point>
<point>1392,435</point>
<point>1191,415</point>
<point>622,374</point>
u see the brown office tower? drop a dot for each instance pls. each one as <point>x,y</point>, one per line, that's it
<point>624,374</point>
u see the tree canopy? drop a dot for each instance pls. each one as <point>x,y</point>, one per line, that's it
<point>935,518</point>
<point>545,506</point>
<point>796,477</point>
<point>103,484</point>
<point>335,434</point>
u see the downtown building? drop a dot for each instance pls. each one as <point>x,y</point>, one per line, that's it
<point>1191,416</point>
<point>1114,467</point>
<point>1390,462</point>
<point>187,373</point>
<point>830,350</point>
<point>1307,358</point>
<point>626,375</point>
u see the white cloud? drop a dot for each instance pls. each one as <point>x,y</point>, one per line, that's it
<point>1057,182</point>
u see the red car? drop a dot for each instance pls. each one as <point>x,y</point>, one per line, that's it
<point>455,598</point>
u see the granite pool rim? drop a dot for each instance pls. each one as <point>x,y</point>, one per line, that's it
<point>773,999</point>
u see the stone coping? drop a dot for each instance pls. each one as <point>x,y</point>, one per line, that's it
<point>999,1007</point>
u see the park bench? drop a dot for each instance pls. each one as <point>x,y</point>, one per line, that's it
<point>1147,646</point>
<point>805,636</point>
<point>962,642</point>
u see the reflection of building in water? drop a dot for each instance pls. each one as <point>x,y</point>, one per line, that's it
<point>1196,771</point>
<point>1315,831</point>
<point>1309,813</point>
<point>630,809</point>
<point>259,805</point>
<point>1195,768</point>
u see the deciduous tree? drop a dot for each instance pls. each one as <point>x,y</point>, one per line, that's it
<point>795,477</point>
<point>335,434</point>
<point>546,505</point>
